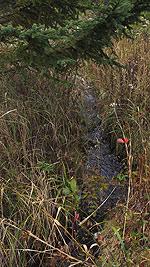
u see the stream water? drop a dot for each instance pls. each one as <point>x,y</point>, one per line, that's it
<point>102,189</point>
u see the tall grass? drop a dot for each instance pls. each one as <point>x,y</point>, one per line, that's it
<point>41,153</point>
<point>125,92</point>
<point>42,164</point>
<point>124,97</point>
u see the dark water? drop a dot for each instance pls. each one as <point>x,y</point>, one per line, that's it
<point>102,165</point>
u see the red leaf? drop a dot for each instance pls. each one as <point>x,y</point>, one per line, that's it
<point>120,140</point>
<point>126,140</point>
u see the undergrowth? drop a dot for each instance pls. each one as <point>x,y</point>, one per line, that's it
<point>125,92</point>
<point>42,164</point>
<point>124,96</point>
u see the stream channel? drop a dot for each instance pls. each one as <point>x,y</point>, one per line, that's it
<point>102,189</point>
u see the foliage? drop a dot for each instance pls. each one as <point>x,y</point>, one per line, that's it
<point>41,137</point>
<point>57,35</point>
<point>123,97</point>
<point>49,13</point>
<point>124,94</point>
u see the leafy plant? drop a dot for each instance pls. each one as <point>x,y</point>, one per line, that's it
<point>64,186</point>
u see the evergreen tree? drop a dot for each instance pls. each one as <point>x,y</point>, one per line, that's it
<point>54,34</point>
<point>49,12</point>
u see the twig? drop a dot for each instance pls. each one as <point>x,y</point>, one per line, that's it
<point>42,241</point>
<point>130,161</point>
<point>97,208</point>
<point>8,112</point>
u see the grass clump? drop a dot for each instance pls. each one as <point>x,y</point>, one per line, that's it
<point>40,160</point>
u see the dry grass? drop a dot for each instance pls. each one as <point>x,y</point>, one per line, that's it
<point>135,250</point>
<point>124,95</point>
<point>126,92</point>
<point>41,149</point>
